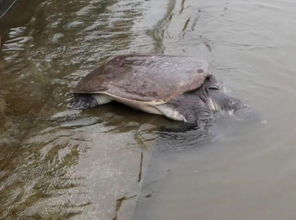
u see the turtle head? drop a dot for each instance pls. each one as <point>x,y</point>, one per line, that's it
<point>218,99</point>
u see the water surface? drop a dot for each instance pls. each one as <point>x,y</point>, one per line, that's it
<point>248,171</point>
<point>56,163</point>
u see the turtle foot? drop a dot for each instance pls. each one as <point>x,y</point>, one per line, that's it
<point>83,101</point>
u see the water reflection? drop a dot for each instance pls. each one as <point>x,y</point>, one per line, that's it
<point>56,163</point>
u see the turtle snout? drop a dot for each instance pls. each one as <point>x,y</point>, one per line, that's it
<point>214,84</point>
<point>220,86</point>
<point>217,85</point>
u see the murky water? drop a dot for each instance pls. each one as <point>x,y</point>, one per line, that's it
<point>56,163</point>
<point>249,171</point>
<point>59,164</point>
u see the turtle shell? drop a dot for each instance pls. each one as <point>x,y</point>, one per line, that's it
<point>145,78</point>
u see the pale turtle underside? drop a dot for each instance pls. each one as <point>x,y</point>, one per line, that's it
<point>145,78</point>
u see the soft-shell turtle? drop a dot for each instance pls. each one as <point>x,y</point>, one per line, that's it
<point>180,88</point>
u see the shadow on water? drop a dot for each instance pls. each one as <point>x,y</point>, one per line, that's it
<point>175,150</point>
